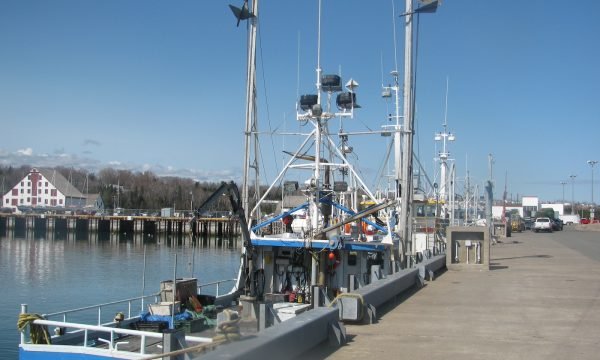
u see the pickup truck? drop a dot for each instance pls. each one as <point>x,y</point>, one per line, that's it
<point>542,224</point>
<point>570,219</point>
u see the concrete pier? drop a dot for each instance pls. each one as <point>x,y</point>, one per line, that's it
<point>539,300</point>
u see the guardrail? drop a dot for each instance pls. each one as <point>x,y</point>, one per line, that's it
<point>130,304</point>
<point>215,283</point>
<point>99,307</point>
<point>113,344</point>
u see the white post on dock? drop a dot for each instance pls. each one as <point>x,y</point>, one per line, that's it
<point>143,280</point>
<point>174,291</point>
<point>23,311</point>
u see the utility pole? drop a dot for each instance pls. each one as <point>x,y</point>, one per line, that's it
<point>489,190</point>
<point>573,193</point>
<point>563,183</point>
<point>592,163</point>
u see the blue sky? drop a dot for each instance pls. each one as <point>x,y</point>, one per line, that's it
<point>161,85</point>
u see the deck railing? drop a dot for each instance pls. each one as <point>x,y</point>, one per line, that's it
<point>99,307</point>
<point>113,342</point>
<point>216,284</point>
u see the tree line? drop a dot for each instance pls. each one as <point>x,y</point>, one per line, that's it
<point>128,189</point>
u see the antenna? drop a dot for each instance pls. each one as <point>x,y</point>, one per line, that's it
<point>298,70</point>
<point>446,106</point>
<point>319,70</point>
<point>394,31</point>
<point>381,66</point>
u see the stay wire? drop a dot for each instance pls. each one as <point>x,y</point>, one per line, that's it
<point>266,101</point>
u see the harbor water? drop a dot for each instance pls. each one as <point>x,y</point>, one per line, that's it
<point>57,273</point>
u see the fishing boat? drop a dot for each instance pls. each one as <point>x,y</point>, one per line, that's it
<point>333,253</point>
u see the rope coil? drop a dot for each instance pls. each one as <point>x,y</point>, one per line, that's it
<point>37,333</point>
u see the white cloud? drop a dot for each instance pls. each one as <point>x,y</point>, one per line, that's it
<point>25,152</point>
<point>28,157</point>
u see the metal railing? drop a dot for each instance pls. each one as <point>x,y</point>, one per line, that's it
<point>100,307</point>
<point>131,303</point>
<point>113,344</point>
<point>217,284</point>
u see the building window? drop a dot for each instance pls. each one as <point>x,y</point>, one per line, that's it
<point>28,177</point>
<point>28,199</point>
<point>46,183</point>
<point>29,183</point>
<point>21,201</point>
<point>29,191</point>
<point>39,191</point>
<point>14,202</point>
<point>40,199</point>
<point>40,184</point>
<point>15,192</point>
<point>46,191</point>
<point>53,202</point>
<point>60,201</point>
<point>53,192</point>
<point>22,183</point>
<point>21,191</point>
<point>46,201</point>
<point>7,201</point>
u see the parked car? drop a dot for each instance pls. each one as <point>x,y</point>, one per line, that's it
<point>584,221</point>
<point>557,224</point>
<point>542,224</point>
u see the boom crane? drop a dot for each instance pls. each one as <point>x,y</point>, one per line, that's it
<point>232,192</point>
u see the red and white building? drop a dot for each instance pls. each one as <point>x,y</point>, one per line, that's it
<point>44,189</point>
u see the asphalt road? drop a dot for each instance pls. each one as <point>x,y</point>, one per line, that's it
<point>586,243</point>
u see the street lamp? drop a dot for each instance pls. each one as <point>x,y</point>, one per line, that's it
<point>563,183</point>
<point>573,193</point>
<point>592,163</point>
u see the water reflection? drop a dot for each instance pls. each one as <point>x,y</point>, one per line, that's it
<point>61,271</point>
<point>136,238</point>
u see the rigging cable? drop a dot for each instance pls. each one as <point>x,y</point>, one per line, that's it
<point>266,100</point>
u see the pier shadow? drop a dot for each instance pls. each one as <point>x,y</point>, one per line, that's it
<point>499,266</point>
<point>526,257</point>
<point>324,350</point>
<point>394,302</point>
<point>504,242</point>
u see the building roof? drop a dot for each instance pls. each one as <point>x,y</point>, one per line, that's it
<point>61,183</point>
<point>90,199</point>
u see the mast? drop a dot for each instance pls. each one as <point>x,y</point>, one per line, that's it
<point>443,157</point>
<point>407,153</point>
<point>250,133</point>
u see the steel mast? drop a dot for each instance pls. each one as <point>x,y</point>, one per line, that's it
<point>250,131</point>
<point>444,157</point>
<point>407,153</point>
